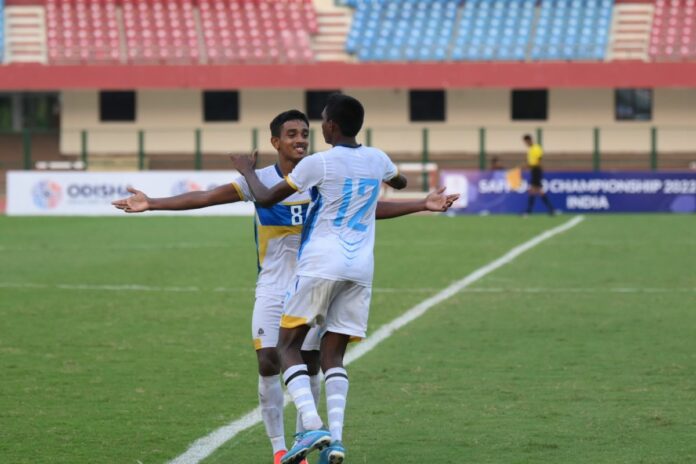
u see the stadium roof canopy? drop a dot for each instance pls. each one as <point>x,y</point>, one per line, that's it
<point>347,75</point>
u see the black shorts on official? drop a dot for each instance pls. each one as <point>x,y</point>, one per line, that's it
<point>536,176</point>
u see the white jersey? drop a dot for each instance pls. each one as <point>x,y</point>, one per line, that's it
<point>339,235</point>
<point>277,231</point>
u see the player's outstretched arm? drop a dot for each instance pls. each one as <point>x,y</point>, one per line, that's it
<point>263,195</point>
<point>397,182</point>
<point>435,201</point>
<point>139,202</point>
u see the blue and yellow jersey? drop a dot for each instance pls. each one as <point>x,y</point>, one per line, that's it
<point>277,230</point>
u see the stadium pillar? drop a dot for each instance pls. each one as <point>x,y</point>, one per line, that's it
<point>199,156</point>
<point>653,148</point>
<point>482,148</point>
<point>311,140</point>
<point>368,137</point>
<point>595,153</point>
<point>540,136</point>
<point>425,157</point>
<point>255,138</point>
<point>26,146</point>
<point>83,148</point>
<point>141,150</point>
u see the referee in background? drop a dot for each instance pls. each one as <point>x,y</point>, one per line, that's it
<point>534,155</point>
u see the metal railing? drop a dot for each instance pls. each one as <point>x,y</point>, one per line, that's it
<point>641,146</point>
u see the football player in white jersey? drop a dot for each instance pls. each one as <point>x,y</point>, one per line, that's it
<point>277,232</point>
<point>335,265</point>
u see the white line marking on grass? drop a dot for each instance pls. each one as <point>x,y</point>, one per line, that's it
<point>204,447</point>
<point>147,288</point>
<point>150,288</point>
<point>580,290</point>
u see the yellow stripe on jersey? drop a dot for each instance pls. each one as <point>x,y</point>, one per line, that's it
<point>291,183</point>
<point>290,322</point>
<point>292,203</point>
<point>257,344</point>
<point>239,190</point>
<point>266,233</point>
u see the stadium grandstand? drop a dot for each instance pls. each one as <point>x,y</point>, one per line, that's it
<point>177,83</point>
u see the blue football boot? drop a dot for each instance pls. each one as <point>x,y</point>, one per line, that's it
<point>334,454</point>
<point>305,443</point>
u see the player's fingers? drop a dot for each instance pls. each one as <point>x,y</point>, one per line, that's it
<point>441,190</point>
<point>132,190</point>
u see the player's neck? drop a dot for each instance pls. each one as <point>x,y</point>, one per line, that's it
<point>345,142</point>
<point>286,165</point>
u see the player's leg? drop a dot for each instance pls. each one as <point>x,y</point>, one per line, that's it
<point>310,355</point>
<point>531,198</point>
<point>305,306</point>
<point>345,320</point>
<point>265,321</point>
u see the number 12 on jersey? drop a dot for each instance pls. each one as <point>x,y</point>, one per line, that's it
<point>368,190</point>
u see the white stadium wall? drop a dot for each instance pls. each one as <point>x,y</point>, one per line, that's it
<point>169,118</point>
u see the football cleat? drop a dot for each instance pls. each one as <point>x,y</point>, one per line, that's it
<point>305,443</point>
<point>334,454</point>
<point>278,456</point>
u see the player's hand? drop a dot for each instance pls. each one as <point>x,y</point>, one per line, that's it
<point>244,163</point>
<point>136,203</point>
<point>438,201</point>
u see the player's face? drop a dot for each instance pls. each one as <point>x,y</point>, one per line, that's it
<point>293,141</point>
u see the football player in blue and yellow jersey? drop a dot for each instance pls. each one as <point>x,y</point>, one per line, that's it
<point>278,229</point>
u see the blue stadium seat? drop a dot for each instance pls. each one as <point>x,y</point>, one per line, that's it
<point>441,30</point>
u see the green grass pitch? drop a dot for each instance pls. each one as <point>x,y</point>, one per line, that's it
<point>582,350</point>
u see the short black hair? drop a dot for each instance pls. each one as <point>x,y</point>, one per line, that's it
<point>282,118</point>
<point>527,137</point>
<point>347,112</point>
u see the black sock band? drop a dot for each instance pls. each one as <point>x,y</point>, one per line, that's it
<point>336,374</point>
<point>296,374</point>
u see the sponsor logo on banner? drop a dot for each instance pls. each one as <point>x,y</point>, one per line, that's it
<point>185,186</point>
<point>486,192</point>
<point>82,193</point>
<point>92,194</point>
<point>46,194</point>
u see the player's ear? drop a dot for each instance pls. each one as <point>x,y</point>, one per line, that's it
<point>275,141</point>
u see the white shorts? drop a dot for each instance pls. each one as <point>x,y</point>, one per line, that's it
<point>265,324</point>
<point>336,306</point>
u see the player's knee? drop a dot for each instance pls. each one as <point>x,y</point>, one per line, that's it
<point>312,360</point>
<point>331,359</point>
<point>269,362</point>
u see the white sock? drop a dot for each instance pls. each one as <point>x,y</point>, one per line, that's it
<point>315,385</point>
<point>297,380</point>
<point>271,401</point>
<point>336,384</point>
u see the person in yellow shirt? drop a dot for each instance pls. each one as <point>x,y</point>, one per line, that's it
<point>534,155</point>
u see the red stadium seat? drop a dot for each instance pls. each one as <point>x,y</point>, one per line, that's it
<point>91,23</point>
<point>673,30</point>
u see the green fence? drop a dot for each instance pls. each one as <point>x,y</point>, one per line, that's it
<point>624,147</point>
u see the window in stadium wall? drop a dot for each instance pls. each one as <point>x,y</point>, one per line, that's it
<point>220,106</point>
<point>427,105</point>
<point>41,111</point>
<point>530,105</point>
<point>315,101</point>
<point>118,106</point>
<point>5,113</point>
<point>633,104</point>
